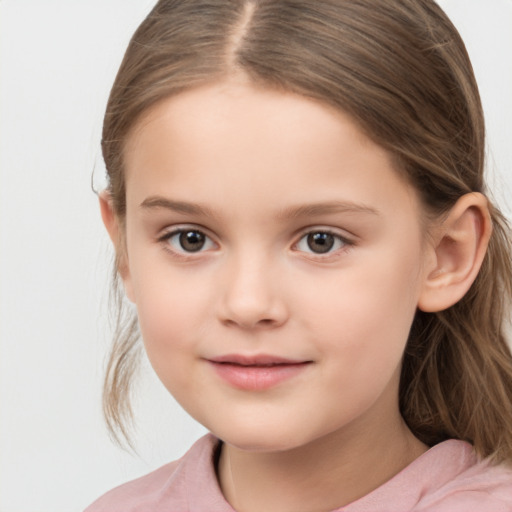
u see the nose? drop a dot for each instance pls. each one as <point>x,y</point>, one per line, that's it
<point>252,295</point>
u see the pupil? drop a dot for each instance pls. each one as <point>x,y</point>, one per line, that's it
<point>320,242</point>
<point>192,241</point>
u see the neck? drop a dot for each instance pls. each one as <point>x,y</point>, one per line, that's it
<point>323,475</point>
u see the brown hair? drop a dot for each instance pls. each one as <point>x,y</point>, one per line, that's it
<point>401,70</point>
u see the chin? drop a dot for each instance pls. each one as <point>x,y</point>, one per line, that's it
<point>255,444</point>
<point>259,439</point>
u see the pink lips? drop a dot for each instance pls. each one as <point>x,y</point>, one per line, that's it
<point>258,372</point>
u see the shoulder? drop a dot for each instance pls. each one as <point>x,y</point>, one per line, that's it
<point>480,484</point>
<point>447,478</point>
<point>137,495</point>
<point>171,487</point>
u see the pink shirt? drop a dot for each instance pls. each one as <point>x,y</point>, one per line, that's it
<point>447,478</point>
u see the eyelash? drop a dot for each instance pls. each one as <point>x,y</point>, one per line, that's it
<point>166,239</point>
<point>342,242</point>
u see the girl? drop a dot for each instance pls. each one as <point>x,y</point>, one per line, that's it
<point>298,208</point>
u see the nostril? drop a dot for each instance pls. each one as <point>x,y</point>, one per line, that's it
<point>248,324</point>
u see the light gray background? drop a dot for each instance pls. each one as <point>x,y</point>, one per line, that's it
<point>58,59</point>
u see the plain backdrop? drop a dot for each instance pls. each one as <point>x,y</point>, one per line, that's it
<point>58,59</point>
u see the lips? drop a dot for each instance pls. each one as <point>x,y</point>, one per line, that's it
<point>257,372</point>
<point>255,360</point>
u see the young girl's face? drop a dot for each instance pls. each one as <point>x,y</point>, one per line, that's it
<point>276,259</point>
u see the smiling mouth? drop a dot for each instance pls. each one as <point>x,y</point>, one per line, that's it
<point>256,373</point>
<point>259,365</point>
<point>256,360</point>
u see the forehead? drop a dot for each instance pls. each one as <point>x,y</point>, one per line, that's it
<point>278,147</point>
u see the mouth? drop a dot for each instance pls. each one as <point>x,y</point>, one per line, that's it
<point>258,372</point>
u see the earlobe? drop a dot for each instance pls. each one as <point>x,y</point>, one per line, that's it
<point>459,246</point>
<point>111,222</point>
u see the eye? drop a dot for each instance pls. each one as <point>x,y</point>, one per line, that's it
<point>321,242</point>
<point>188,241</point>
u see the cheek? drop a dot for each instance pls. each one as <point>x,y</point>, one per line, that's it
<point>171,307</point>
<point>364,314</point>
<point>166,313</point>
<point>170,332</point>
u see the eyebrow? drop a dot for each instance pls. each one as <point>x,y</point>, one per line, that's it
<point>330,207</point>
<point>155,202</point>
<point>291,212</point>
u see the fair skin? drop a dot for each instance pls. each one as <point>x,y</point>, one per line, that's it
<point>261,224</point>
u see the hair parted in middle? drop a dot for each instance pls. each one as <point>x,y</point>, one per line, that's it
<point>401,71</point>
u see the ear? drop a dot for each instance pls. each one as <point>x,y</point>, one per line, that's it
<point>459,247</point>
<point>115,231</point>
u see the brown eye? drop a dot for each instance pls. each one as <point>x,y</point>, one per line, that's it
<point>320,242</point>
<point>187,241</point>
<point>192,241</point>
